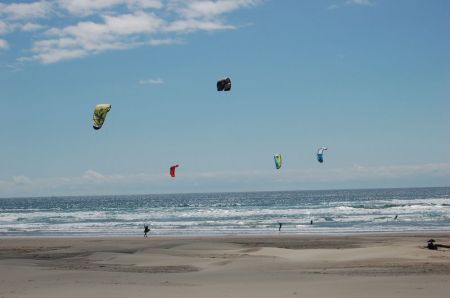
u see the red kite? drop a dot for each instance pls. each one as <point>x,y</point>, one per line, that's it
<point>172,170</point>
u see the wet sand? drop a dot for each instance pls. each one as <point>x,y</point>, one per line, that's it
<point>359,265</point>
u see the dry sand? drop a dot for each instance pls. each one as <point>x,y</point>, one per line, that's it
<point>362,265</point>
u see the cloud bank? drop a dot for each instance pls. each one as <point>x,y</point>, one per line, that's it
<point>96,26</point>
<point>93,182</point>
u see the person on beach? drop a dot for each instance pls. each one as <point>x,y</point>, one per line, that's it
<point>146,230</point>
<point>311,222</point>
<point>432,245</point>
<point>280,225</point>
<point>396,216</point>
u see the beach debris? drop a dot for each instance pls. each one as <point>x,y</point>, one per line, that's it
<point>172,170</point>
<point>278,160</point>
<point>100,112</point>
<point>224,84</point>
<point>320,154</point>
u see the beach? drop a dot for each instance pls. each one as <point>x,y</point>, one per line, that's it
<point>340,265</point>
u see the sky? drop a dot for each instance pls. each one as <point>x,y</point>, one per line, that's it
<point>369,79</point>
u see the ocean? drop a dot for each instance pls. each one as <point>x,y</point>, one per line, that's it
<point>332,211</point>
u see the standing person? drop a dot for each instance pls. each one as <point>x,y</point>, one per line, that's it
<point>311,222</point>
<point>280,225</point>
<point>146,230</point>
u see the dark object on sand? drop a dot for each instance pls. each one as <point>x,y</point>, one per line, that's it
<point>431,244</point>
<point>434,246</point>
<point>146,230</point>
<point>280,225</point>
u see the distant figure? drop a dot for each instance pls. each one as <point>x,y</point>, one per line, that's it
<point>431,244</point>
<point>434,246</point>
<point>311,222</point>
<point>280,225</point>
<point>396,216</point>
<point>146,230</point>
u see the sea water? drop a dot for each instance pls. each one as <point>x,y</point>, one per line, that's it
<point>332,211</point>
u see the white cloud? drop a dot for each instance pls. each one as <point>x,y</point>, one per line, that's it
<point>94,26</point>
<point>13,26</point>
<point>151,82</point>
<point>115,32</point>
<point>160,42</point>
<point>208,9</point>
<point>360,172</point>
<point>55,55</point>
<point>360,2</point>
<point>21,180</point>
<point>94,176</point>
<point>91,180</point>
<point>144,4</point>
<point>85,7</point>
<point>3,27</point>
<point>3,44</point>
<point>190,25</point>
<point>126,24</point>
<point>88,7</point>
<point>30,27</point>
<point>31,10</point>
<point>396,171</point>
<point>348,174</point>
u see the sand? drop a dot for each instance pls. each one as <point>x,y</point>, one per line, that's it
<point>358,265</point>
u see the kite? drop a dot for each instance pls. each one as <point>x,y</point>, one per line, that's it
<point>320,154</point>
<point>224,84</point>
<point>172,170</point>
<point>277,158</point>
<point>100,114</point>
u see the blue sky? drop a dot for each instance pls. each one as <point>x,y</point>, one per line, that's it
<point>368,79</point>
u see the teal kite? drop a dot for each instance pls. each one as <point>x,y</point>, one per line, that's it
<point>320,154</point>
